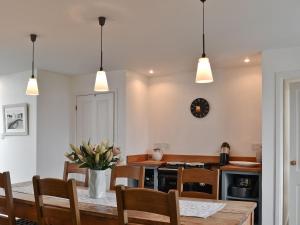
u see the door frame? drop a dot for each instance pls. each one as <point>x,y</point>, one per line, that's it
<point>115,113</point>
<point>281,79</point>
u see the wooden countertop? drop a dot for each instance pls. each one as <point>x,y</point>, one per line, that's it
<point>147,163</point>
<point>241,168</point>
<point>146,158</point>
<point>153,163</point>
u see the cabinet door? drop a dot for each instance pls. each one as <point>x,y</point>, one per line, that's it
<point>95,118</point>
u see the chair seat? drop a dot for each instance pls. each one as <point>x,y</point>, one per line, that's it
<point>25,222</point>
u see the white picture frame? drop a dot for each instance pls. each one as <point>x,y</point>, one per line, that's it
<point>15,120</point>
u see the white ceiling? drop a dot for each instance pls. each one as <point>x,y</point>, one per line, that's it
<point>164,35</point>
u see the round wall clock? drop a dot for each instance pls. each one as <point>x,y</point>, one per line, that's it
<point>200,107</point>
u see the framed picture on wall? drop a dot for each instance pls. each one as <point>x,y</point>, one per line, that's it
<point>15,119</point>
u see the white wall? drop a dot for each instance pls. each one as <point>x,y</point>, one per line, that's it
<point>148,111</point>
<point>57,116</point>
<point>18,153</point>
<point>137,116</point>
<point>274,62</point>
<point>235,112</point>
<point>53,123</point>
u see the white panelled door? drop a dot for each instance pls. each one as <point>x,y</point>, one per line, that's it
<point>294,179</point>
<point>95,118</point>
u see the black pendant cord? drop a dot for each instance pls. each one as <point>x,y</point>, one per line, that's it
<point>203,31</point>
<point>101,23</point>
<point>33,39</point>
<point>101,60</point>
<point>32,68</point>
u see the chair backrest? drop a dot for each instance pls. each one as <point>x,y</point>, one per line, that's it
<point>132,172</point>
<point>50,214</point>
<point>147,200</point>
<point>74,168</point>
<point>6,202</point>
<point>197,175</point>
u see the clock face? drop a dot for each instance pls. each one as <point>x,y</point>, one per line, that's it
<point>200,107</point>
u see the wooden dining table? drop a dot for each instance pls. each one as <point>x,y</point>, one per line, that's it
<point>234,212</point>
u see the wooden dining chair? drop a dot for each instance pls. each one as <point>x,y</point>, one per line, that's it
<point>147,200</point>
<point>73,168</point>
<point>50,214</point>
<point>132,172</point>
<point>200,176</point>
<point>7,203</point>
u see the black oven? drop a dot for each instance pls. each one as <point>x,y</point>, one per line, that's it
<point>167,179</point>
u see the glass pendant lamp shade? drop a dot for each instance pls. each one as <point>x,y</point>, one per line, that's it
<point>32,87</point>
<point>204,73</point>
<point>101,84</point>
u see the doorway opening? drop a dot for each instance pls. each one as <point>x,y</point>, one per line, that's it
<point>291,152</point>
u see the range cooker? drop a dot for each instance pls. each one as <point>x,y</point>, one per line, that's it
<point>167,177</point>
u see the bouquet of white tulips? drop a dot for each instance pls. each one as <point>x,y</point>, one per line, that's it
<point>96,157</point>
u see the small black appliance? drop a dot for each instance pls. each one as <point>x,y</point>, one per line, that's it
<point>224,154</point>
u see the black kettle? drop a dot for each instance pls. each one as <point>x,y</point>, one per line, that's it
<point>224,154</point>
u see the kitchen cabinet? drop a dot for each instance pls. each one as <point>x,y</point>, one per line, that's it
<point>232,191</point>
<point>151,179</point>
<point>228,175</point>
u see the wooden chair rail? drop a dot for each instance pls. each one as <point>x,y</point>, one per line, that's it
<point>56,214</point>
<point>147,200</point>
<point>6,202</point>
<point>132,172</point>
<point>72,168</point>
<point>197,175</point>
<point>53,187</point>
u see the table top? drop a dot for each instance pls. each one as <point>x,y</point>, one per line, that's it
<point>234,213</point>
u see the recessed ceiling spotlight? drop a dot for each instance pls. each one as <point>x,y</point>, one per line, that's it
<point>151,71</point>
<point>246,60</point>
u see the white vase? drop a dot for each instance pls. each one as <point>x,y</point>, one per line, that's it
<point>157,154</point>
<point>97,183</point>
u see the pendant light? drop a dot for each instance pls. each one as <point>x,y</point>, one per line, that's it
<point>32,86</point>
<point>204,73</point>
<point>101,80</point>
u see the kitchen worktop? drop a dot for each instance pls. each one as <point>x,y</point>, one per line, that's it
<point>147,163</point>
<point>229,167</point>
<point>146,160</point>
<point>229,172</point>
